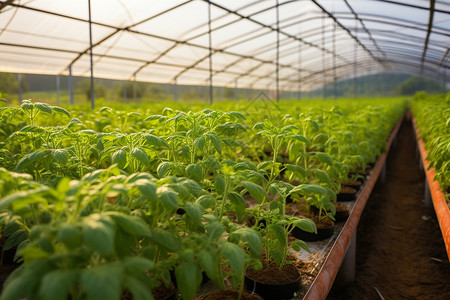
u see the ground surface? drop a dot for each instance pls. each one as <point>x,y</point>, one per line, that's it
<point>400,251</point>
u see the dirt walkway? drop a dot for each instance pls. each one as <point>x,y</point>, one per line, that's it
<point>399,241</point>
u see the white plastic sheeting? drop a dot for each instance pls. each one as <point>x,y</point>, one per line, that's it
<point>169,41</point>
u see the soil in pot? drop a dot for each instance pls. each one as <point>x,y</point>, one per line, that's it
<point>346,194</point>
<point>160,293</point>
<point>272,283</point>
<point>230,295</point>
<point>164,293</point>
<point>356,184</point>
<point>325,229</point>
<point>342,212</point>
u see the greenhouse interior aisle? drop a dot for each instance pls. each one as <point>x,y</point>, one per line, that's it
<point>400,253</point>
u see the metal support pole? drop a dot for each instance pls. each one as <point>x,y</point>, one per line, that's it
<point>210,56</point>
<point>299,70</point>
<point>70,86</point>
<point>323,56</point>
<point>124,91</point>
<point>91,58</point>
<point>355,58</point>
<point>19,80</point>
<point>334,61</point>
<point>175,91</point>
<point>236,97</point>
<point>134,90</point>
<point>347,271</point>
<point>277,70</point>
<point>57,90</point>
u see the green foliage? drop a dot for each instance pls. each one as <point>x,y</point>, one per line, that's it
<point>416,84</point>
<point>116,199</point>
<point>433,120</point>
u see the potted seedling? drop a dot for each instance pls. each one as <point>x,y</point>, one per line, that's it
<point>314,202</point>
<point>277,264</point>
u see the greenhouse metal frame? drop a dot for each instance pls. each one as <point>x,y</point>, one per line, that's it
<point>293,45</point>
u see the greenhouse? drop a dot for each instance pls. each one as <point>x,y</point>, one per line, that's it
<point>196,149</point>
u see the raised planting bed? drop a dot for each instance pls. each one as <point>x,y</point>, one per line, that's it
<point>326,257</point>
<point>440,204</point>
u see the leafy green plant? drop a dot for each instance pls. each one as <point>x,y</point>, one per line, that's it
<point>276,226</point>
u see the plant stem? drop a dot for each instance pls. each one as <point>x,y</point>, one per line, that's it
<point>225,196</point>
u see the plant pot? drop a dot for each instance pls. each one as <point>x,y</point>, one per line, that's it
<point>356,184</point>
<point>271,283</point>
<point>346,194</point>
<point>7,256</point>
<point>230,295</point>
<point>165,293</point>
<point>324,231</point>
<point>160,293</point>
<point>342,212</point>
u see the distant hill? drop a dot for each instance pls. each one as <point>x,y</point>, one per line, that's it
<point>379,85</point>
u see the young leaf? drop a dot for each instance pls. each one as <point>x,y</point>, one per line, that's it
<point>140,155</point>
<point>189,278</point>
<point>297,244</point>
<point>137,264</point>
<point>301,138</point>
<point>214,230</point>
<point>163,168</point>
<point>255,190</point>
<point>219,183</point>
<point>168,197</point>
<point>236,259</point>
<point>166,240</point>
<point>156,141</point>
<point>194,172</point>
<point>60,155</point>
<point>194,212</point>
<point>306,225</point>
<point>207,201</point>
<point>296,169</point>
<point>239,204</point>
<point>120,158</point>
<point>61,110</point>
<point>43,107</point>
<point>98,234</point>
<point>200,143</point>
<point>323,157</point>
<point>323,177</point>
<point>237,115</point>
<point>159,118</point>
<point>102,282</point>
<point>215,141</point>
<point>130,224</point>
<point>139,290</point>
<point>249,236</point>
<point>56,284</point>
<point>210,266</point>
<point>280,233</point>
<point>147,188</point>
<point>18,286</point>
<point>70,235</point>
<point>309,189</point>
<point>29,159</point>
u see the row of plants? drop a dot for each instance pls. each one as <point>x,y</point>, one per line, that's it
<point>124,199</point>
<point>432,114</point>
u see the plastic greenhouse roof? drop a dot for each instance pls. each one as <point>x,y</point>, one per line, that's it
<point>300,44</point>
